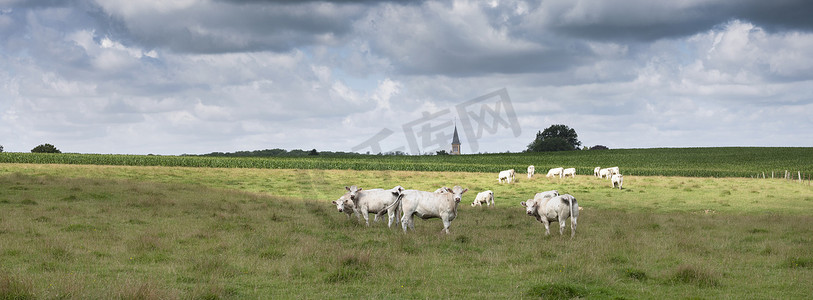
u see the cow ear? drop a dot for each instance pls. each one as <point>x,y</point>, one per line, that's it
<point>449,190</point>
<point>464,190</point>
<point>360,189</point>
<point>334,203</point>
<point>523,203</point>
<point>347,188</point>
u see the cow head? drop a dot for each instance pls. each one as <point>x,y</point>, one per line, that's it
<point>354,190</point>
<point>343,203</point>
<point>530,206</point>
<point>457,193</point>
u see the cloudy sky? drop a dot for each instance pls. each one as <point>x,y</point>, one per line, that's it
<point>198,76</point>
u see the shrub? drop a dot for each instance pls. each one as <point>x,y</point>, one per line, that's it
<point>45,148</point>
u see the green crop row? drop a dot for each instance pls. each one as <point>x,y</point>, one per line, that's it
<point>692,162</point>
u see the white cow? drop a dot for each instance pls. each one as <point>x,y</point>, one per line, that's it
<point>486,197</point>
<point>508,175</point>
<point>378,201</point>
<point>345,205</point>
<point>531,171</point>
<point>596,170</point>
<point>617,179</point>
<point>614,170</point>
<point>547,194</point>
<point>604,173</point>
<point>555,172</point>
<point>556,209</point>
<point>569,172</point>
<point>428,205</point>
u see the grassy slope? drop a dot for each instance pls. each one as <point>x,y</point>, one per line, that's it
<point>166,233</point>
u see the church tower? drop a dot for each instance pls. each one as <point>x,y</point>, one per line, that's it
<point>455,143</point>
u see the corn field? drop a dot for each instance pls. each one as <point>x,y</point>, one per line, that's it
<point>690,162</point>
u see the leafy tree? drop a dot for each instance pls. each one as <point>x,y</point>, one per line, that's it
<point>441,152</point>
<point>1,148</point>
<point>313,152</point>
<point>45,148</point>
<point>599,147</point>
<point>555,138</point>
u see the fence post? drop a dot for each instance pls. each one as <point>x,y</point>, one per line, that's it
<point>800,176</point>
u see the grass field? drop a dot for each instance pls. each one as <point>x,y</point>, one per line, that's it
<point>128,232</point>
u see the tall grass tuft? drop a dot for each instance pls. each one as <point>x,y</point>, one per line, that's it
<point>12,287</point>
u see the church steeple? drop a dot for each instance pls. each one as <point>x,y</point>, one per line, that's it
<point>455,142</point>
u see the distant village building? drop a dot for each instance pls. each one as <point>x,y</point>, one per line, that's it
<point>455,143</point>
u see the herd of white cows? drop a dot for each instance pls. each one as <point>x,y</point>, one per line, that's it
<point>402,205</point>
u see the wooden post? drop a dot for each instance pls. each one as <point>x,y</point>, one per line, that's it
<point>800,176</point>
<point>771,174</point>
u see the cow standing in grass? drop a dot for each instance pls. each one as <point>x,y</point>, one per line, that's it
<point>531,170</point>
<point>507,175</point>
<point>427,205</point>
<point>556,209</point>
<point>486,197</point>
<point>617,180</point>
<point>378,202</point>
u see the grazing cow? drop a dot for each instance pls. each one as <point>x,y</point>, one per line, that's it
<point>555,172</point>
<point>531,171</point>
<point>378,201</point>
<point>569,172</point>
<point>486,197</point>
<point>556,209</point>
<point>614,170</point>
<point>547,194</point>
<point>428,205</point>
<point>596,170</point>
<point>604,173</point>
<point>508,175</point>
<point>345,205</point>
<point>617,179</point>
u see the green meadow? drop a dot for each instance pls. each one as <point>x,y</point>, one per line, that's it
<point>75,231</point>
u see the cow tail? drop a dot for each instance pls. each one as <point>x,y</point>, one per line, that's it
<point>574,208</point>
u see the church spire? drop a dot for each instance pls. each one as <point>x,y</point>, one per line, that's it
<point>455,142</point>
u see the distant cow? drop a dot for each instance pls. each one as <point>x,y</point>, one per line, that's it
<point>604,173</point>
<point>569,172</point>
<point>555,172</point>
<point>428,205</point>
<point>345,205</point>
<point>507,175</point>
<point>486,197</point>
<point>531,171</point>
<point>617,179</point>
<point>556,209</point>
<point>596,170</point>
<point>614,170</point>
<point>378,201</point>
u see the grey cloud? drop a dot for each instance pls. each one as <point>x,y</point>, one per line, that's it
<point>641,20</point>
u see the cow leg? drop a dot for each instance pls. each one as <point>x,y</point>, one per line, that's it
<point>547,226</point>
<point>562,224</point>
<point>572,227</point>
<point>366,215</point>
<point>446,224</point>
